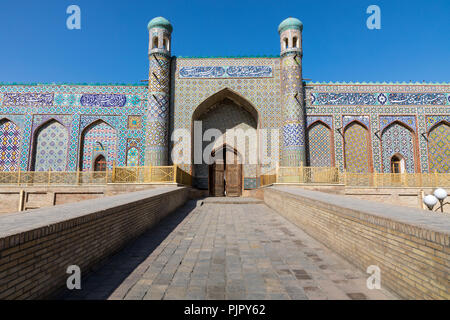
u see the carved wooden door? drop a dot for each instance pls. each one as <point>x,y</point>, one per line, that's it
<point>233,182</point>
<point>216,180</point>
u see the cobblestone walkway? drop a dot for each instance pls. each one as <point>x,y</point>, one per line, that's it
<point>226,251</point>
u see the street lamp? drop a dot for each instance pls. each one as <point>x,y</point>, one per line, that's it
<point>430,201</point>
<point>438,195</point>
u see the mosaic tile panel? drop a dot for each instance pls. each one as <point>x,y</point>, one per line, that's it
<point>319,142</point>
<point>381,98</point>
<point>356,148</point>
<point>432,120</point>
<point>100,138</point>
<point>410,121</point>
<point>133,157</point>
<point>9,146</point>
<point>348,119</point>
<point>134,122</point>
<point>50,151</point>
<point>397,139</point>
<point>439,148</point>
<point>226,72</point>
<point>325,119</point>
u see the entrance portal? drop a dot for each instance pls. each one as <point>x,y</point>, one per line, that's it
<point>225,173</point>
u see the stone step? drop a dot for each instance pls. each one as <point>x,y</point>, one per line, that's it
<point>231,200</point>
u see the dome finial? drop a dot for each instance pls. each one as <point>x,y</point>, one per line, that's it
<point>290,23</point>
<point>160,22</point>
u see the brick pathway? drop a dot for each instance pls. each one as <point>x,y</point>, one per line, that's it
<point>226,251</point>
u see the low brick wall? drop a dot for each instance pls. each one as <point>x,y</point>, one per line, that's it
<point>410,246</point>
<point>37,246</point>
<point>21,198</point>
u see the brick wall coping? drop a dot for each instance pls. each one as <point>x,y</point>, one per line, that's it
<point>21,223</point>
<point>372,211</point>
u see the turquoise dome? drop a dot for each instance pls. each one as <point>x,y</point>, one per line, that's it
<point>290,23</point>
<point>161,23</point>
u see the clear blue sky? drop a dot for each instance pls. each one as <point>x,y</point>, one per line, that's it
<point>35,45</point>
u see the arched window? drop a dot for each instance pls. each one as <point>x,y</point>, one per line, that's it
<point>286,43</point>
<point>165,44</point>
<point>100,163</point>
<point>155,42</point>
<point>294,42</point>
<point>397,164</point>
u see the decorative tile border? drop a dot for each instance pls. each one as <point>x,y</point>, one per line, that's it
<point>226,72</point>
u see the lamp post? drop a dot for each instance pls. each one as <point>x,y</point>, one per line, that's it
<point>438,195</point>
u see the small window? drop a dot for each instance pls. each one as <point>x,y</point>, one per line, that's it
<point>100,163</point>
<point>286,44</point>
<point>165,44</point>
<point>155,42</point>
<point>294,42</point>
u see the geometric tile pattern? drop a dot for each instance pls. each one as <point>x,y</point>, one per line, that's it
<point>133,157</point>
<point>9,146</point>
<point>134,122</point>
<point>51,147</point>
<point>99,139</point>
<point>422,107</point>
<point>133,153</point>
<point>432,120</point>
<point>33,107</point>
<point>397,139</point>
<point>356,148</point>
<point>363,119</point>
<point>292,111</point>
<point>439,148</point>
<point>319,141</point>
<point>363,98</point>
<point>328,120</point>
<point>158,111</point>
<point>409,121</point>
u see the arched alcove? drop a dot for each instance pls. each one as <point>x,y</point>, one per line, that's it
<point>356,148</point>
<point>225,117</point>
<point>99,138</point>
<point>398,139</point>
<point>439,147</point>
<point>50,143</point>
<point>9,145</point>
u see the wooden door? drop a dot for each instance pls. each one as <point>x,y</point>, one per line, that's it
<point>216,179</point>
<point>233,183</point>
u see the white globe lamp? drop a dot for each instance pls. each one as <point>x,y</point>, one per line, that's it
<point>440,194</point>
<point>430,201</point>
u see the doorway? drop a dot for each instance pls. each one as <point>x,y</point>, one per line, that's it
<point>225,173</point>
<point>100,163</point>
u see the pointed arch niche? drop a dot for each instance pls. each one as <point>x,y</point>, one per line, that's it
<point>50,145</point>
<point>439,147</point>
<point>320,145</point>
<point>9,145</point>
<point>357,148</point>
<point>98,139</point>
<point>223,111</point>
<point>398,139</point>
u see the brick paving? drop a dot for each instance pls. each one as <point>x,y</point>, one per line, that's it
<point>226,251</point>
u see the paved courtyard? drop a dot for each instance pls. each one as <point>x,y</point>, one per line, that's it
<point>220,250</point>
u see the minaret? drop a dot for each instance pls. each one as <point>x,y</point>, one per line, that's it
<point>157,135</point>
<point>293,146</point>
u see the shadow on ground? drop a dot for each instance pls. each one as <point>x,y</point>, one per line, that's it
<point>103,279</point>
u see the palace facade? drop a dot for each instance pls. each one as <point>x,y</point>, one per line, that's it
<point>358,127</point>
